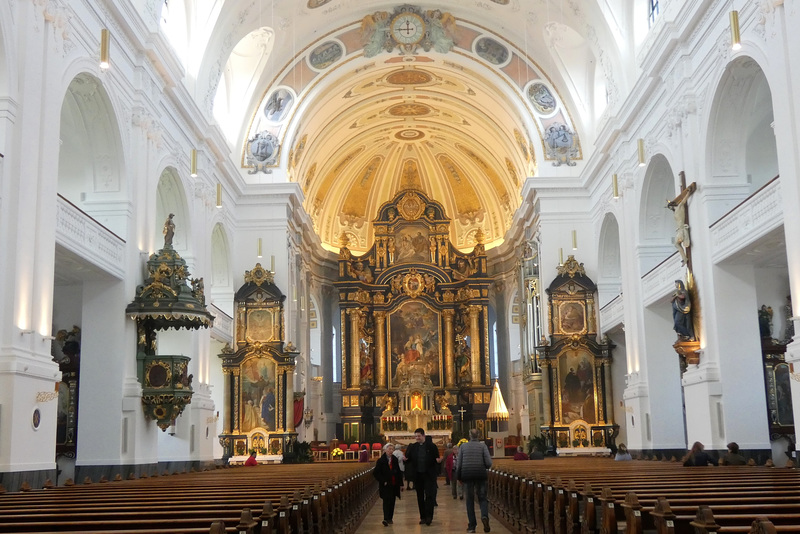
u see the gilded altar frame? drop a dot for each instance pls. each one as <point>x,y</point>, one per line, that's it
<point>576,367</point>
<point>413,282</point>
<point>259,371</point>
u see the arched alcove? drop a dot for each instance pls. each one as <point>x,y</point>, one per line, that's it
<point>609,280</point>
<point>235,92</point>
<point>174,24</point>
<point>741,140</point>
<point>171,198</point>
<point>91,160</point>
<point>656,225</point>
<point>221,277</point>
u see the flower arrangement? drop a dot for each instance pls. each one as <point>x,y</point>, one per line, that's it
<point>337,453</point>
<point>258,450</point>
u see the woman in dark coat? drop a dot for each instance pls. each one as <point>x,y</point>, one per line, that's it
<point>390,481</point>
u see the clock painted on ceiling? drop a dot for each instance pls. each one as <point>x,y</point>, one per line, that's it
<point>408,28</point>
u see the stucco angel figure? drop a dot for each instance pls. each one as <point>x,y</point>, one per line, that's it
<point>441,30</point>
<point>375,33</point>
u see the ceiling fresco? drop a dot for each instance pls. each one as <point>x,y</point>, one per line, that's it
<point>374,99</point>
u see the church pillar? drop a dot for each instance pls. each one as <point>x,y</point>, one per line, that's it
<point>355,336</point>
<point>449,365</point>
<point>380,353</point>
<point>27,231</point>
<point>475,334</point>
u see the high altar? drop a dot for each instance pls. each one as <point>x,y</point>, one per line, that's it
<point>414,315</point>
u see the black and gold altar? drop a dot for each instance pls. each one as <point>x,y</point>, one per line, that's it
<point>259,411</point>
<point>576,368</point>
<point>168,299</point>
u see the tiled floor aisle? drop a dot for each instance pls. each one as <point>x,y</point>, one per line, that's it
<point>449,517</point>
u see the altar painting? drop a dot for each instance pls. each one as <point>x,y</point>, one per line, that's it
<point>412,245</point>
<point>415,343</point>
<point>258,401</point>
<point>576,382</point>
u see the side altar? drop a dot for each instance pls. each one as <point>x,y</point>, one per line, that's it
<point>414,315</point>
<point>258,414</point>
<point>576,369</point>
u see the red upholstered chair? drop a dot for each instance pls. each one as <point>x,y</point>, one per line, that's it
<point>377,450</point>
<point>352,452</point>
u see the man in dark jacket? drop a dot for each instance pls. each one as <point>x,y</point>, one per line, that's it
<point>472,469</point>
<point>422,459</point>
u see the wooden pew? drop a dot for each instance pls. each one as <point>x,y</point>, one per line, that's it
<point>291,498</point>
<point>631,491</point>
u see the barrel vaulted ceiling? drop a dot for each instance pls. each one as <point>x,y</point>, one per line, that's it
<point>332,94</point>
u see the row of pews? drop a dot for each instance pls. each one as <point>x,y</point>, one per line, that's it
<point>601,496</point>
<point>269,499</point>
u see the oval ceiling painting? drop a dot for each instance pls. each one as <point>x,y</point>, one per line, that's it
<point>409,109</point>
<point>325,55</point>
<point>409,77</point>
<point>318,3</point>
<point>278,104</point>
<point>491,50</point>
<point>541,98</point>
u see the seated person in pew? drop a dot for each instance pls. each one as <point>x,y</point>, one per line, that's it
<point>622,454</point>
<point>732,457</point>
<point>697,456</point>
<point>251,460</point>
<point>520,454</point>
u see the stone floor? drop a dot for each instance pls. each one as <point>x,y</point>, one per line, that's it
<point>450,516</point>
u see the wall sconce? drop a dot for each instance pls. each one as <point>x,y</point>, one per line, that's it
<point>193,164</point>
<point>258,249</point>
<point>219,196</point>
<point>736,43</point>
<point>642,161</point>
<point>105,38</point>
<point>614,186</point>
<point>574,240</point>
<point>308,417</point>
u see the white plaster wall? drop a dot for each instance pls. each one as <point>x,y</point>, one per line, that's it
<point>742,394</point>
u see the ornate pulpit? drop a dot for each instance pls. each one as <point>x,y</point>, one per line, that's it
<point>414,315</point>
<point>576,368</point>
<point>169,298</point>
<point>259,373</point>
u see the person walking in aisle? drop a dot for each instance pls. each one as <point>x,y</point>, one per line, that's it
<point>472,469</point>
<point>422,463</point>
<point>390,481</point>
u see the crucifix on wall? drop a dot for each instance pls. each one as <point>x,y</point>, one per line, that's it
<point>685,302</point>
<point>678,205</point>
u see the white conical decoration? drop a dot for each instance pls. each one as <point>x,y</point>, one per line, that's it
<point>497,406</point>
